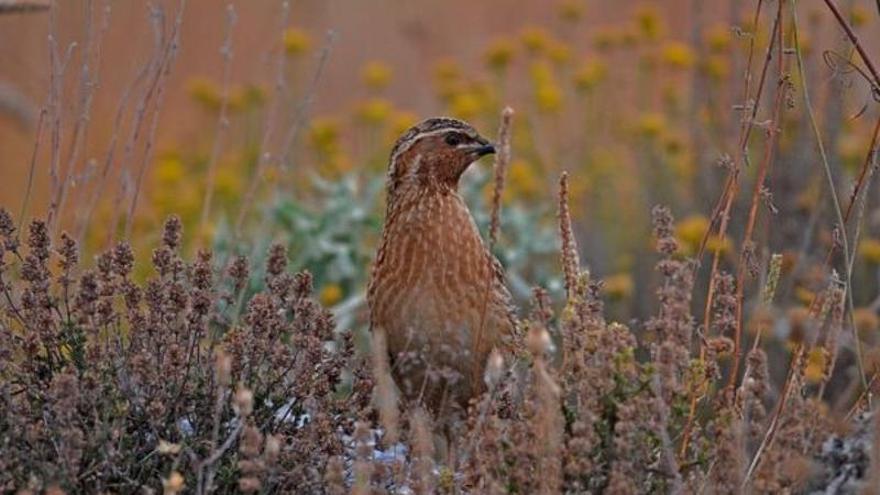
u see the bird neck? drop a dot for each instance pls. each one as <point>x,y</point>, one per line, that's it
<point>408,196</point>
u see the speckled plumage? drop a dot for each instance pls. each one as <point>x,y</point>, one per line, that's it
<point>435,286</point>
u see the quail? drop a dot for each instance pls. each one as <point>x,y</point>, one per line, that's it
<point>436,292</point>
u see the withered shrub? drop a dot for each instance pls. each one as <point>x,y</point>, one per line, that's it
<point>177,384</point>
<point>185,383</point>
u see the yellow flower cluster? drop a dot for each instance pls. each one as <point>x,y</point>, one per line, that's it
<point>677,55</point>
<point>619,286</point>
<point>691,230</point>
<point>649,22</point>
<point>209,95</point>
<point>536,40</point>
<point>816,367</point>
<point>499,54</point>
<point>374,111</point>
<point>324,139</point>
<point>718,37</point>
<point>376,74</point>
<point>571,10</point>
<point>869,249</point>
<point>296,42</point>
<point>205,92</point>
<point>548,94</point>
<point>330,295</point>
<point>651,124</point>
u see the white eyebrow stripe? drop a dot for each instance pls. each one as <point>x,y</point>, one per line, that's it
<point>407,145</point>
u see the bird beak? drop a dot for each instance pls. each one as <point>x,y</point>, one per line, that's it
<point>481,150</point>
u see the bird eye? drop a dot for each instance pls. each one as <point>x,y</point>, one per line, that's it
<point>454,139</point>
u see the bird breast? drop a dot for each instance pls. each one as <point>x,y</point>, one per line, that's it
<point>430,281</point>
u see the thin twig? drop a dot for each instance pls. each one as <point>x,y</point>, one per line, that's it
<point>769,435</point>
<point>171,56</point>
<point>33,166</point>
<point>851,34</point>
<point>87,84</point>
<point>264,156</point>
<point>769,154</point>
<point>223,119</point>
<point>502,161</point>
<point>302,109</point>
<point>721,212</point>
<point>56,106</point>
<point>829,176</point>
<point>154,70</point>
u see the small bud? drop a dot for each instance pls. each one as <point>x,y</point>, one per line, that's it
<point>249,484</point>
<point>173,483</point>
<point>494,368</point>
<point>539,341</point>
<point>243,402</point>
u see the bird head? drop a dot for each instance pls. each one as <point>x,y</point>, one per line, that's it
<point>435,151</point>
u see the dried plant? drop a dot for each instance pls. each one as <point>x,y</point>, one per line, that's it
<point>114,384</point>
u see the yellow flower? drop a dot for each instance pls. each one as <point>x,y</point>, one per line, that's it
<point>559,52</point>
<point>548,95</point>
<point>691,230</point>
<point>169,170</point>
<point>651,124</point>
<point>716,67</point>
<point>374,111</point>
<point>296,41</point>
<point>465,105</point>
<point>535,39</point>
<point>804,295</point>
<point>870,250</point>
<point>677,55</point>
<point>619,286</point>
<point>523,182</point>
<point>400,122</point>
<point>376,74</point>
<point>246,97</point>
<point>718,37</point>
<point>590,74</point>
<point>447,79</point>
<point>715,243</point>
<point>571,10</point>
<point>649,22</point>
<point>816,365</point>
<point>446,71</point>
<point>334,166</point>
<point>324,135</point>
<point>499,54</point>
<point>331,294</point>
<point>859,16</point>
<point>205,92</point>
<point>227,183</point>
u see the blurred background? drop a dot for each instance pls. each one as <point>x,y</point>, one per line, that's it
<point>286,114</point>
